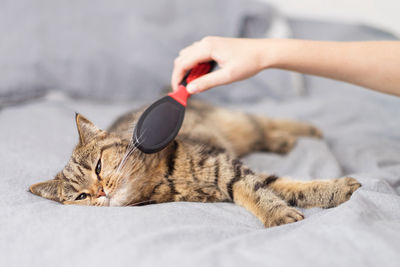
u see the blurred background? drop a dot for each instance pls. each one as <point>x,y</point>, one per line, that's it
<point>84,51</point>
<point>379,13</point>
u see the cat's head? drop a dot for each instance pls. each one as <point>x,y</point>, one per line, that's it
<point>95,174</point>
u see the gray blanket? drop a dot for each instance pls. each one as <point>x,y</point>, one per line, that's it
<point>37,136</point>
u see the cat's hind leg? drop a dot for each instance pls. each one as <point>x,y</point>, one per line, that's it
<point>295,128</point>
<point>279,135</point>
<point>244,133</point>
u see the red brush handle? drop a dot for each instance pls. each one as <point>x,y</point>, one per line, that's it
<point>181,95</point>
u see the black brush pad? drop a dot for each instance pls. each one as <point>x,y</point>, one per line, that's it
<point>158,125</point>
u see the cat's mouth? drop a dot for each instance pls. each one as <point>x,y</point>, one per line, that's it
<point>103,196</point>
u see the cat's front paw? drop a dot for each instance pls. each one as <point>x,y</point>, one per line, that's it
<point>348,185</point>
<point>284,216</point>
<point>345,187</point>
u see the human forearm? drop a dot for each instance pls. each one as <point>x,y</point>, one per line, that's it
<point>374,64</point>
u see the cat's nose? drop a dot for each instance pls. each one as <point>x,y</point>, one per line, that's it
<point>100,192</point>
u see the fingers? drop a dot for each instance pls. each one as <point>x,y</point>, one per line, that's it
<point>237,58</point>
<point>188,58</point>
<point>210,80</point>
<point>182,65</point>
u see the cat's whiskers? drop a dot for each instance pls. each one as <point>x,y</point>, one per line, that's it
<point>119,176</point>
<point>130,150</point>
<point>124,169</point>
<point>123,164</point>
<point>139,142</point>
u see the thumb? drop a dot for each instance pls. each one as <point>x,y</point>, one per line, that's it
<point>208,81</point>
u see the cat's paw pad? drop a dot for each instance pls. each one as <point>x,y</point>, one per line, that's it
<point>284,216</point>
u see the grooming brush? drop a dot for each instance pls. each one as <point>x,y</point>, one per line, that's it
<point>160,122</point>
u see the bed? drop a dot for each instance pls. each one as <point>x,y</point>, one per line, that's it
<point>105,59</point>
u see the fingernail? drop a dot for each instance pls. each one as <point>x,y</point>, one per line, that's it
<point>191,88</point>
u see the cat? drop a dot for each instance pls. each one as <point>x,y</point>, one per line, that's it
<point>201,165</point>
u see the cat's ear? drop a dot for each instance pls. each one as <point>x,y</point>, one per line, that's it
<point>49,189</point>
<point>86,129</point>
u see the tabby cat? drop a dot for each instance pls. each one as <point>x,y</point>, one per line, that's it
<point>201,165</point>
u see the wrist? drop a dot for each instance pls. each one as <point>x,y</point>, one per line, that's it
<point>277,53</point>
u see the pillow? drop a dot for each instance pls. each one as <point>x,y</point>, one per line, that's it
<point>110,50</point>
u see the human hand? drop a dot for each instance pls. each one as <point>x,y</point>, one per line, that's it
<point>237,59</point>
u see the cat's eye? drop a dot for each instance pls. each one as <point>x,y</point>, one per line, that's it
<point>98,167</point>
<point>81,196</point>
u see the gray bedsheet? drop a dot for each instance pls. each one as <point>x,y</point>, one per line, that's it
<point>362,139</point>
